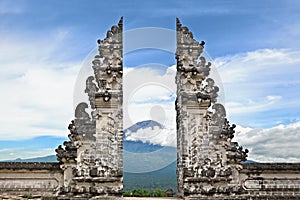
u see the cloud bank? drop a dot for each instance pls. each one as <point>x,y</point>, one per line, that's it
<point>165,136</point>
<point>36,87</point>
<point>276,144</point>
<point>261,87</point>
<point>149,94</point>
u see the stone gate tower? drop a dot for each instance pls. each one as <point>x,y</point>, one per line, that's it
<point>92,160</point>
<point>208,161</point>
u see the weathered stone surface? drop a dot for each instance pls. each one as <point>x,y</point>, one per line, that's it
<point>92,160</point>
<point>29,166</point>
<point>208,161</point>
<point>38,179</point>
<point>272,180</point>
<point>275,167</point>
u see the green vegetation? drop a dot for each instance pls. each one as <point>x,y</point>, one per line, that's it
<point>28,196</point>
<point>145,193</point>
<point>164,179</point>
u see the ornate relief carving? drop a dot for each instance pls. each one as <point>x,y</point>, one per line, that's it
<point>91,89</point>
<point>80,113</point>
<point>92,159</point>
<point>208,161</point>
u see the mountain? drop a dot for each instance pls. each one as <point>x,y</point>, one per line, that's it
<point>164,178</point>
<point>142,124</point>
<point>157,162</point>
<point>139,146</point>
<point>148,166</point>
<point>51,158</point>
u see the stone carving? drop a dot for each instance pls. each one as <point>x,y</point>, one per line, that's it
<point>210,90</point>
<point>91,89</point>
<point>80,112</point>
<point>203,67</point>
<point>218,117</point>
<point>208,161</point>
<point>69,153</point>
<point>105,95</point>
<point>95,146</point>
<point>110,58</point>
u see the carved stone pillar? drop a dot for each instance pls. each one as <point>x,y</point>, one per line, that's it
<point>92,160</point>
<point>108,149</point>
<point>208,162</point>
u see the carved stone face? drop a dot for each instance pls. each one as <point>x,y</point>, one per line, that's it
<point>207,161</point>
<point>210,82</point>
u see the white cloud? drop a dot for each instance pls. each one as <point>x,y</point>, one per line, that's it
<point>154,135</point>
<point>149,95</point>
<point>38,103</point>
<point>152,92</point>
<point>22,52</point>
<point>36,86</point>
<point>261,89</point>
<point>260,64</point>
<point>276,144</point>
<point>252,106</point>
<point>259,82</point>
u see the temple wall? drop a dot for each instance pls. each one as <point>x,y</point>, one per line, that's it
<point>32,178</point>
<point>262,181</point>
<point>259,180</point>
<point>276,180</point>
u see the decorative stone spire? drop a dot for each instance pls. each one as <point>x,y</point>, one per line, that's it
<point>208,161</point>
<point>108,65</point>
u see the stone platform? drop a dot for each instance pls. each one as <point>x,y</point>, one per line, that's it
<point>37,197</point>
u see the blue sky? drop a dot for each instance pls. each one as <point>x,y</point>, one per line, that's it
<point>253,44</point>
